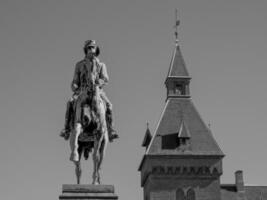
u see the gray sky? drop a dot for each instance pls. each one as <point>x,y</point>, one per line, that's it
<point>224,45</point>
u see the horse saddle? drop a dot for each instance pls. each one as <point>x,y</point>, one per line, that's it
<point>87,137</point>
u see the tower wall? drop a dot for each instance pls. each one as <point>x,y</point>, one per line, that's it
<point>162,176</point>
<point>162,188</point>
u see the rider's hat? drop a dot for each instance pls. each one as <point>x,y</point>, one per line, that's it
<point>91,43</point>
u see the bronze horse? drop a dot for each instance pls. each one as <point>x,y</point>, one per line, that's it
<point>90,135</point>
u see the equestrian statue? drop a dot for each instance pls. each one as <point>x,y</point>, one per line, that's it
<point>88,119</point>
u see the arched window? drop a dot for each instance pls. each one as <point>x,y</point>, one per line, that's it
<point>180,194</point>
<point>191,195</point>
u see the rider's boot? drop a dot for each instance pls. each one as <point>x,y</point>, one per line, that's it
<point>112,134</point>
<point>65,133</point>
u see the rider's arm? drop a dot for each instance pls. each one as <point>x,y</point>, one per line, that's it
<point>76,79</point>
<point>103,75</point>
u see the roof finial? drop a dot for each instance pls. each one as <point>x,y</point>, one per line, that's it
<point>147,125</point>
<point>177,23</point>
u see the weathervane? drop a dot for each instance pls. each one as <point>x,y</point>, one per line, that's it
<point>177,23</point>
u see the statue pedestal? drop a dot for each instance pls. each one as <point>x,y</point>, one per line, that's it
<point>92,192</point>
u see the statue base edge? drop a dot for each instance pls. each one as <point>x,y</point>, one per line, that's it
<point>84,191</point>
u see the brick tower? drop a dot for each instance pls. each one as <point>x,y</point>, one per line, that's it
<point>182,159</point>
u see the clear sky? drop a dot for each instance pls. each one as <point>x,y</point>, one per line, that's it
<point>224,46</point>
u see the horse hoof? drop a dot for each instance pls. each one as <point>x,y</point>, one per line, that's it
<point>95,183</point>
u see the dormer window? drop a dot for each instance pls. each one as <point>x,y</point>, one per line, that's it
<point>182,141</point>
<point>183,137</point>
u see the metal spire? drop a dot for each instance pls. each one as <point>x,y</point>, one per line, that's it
<point>177,23</point>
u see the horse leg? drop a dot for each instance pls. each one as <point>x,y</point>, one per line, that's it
<point>98,163</point>
<point>95,161</point>
<point>102,151</point>
<point>102,142</point>
<point>78,171</point>
<point>74,143</point>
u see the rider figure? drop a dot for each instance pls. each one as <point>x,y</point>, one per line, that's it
<point>88,72</point>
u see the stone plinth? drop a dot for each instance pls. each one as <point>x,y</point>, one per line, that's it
<point>92,192</point>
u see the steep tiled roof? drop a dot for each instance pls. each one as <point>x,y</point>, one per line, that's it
<point>229,192</point>
<point>201,139</point>
<point>177,66</point>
